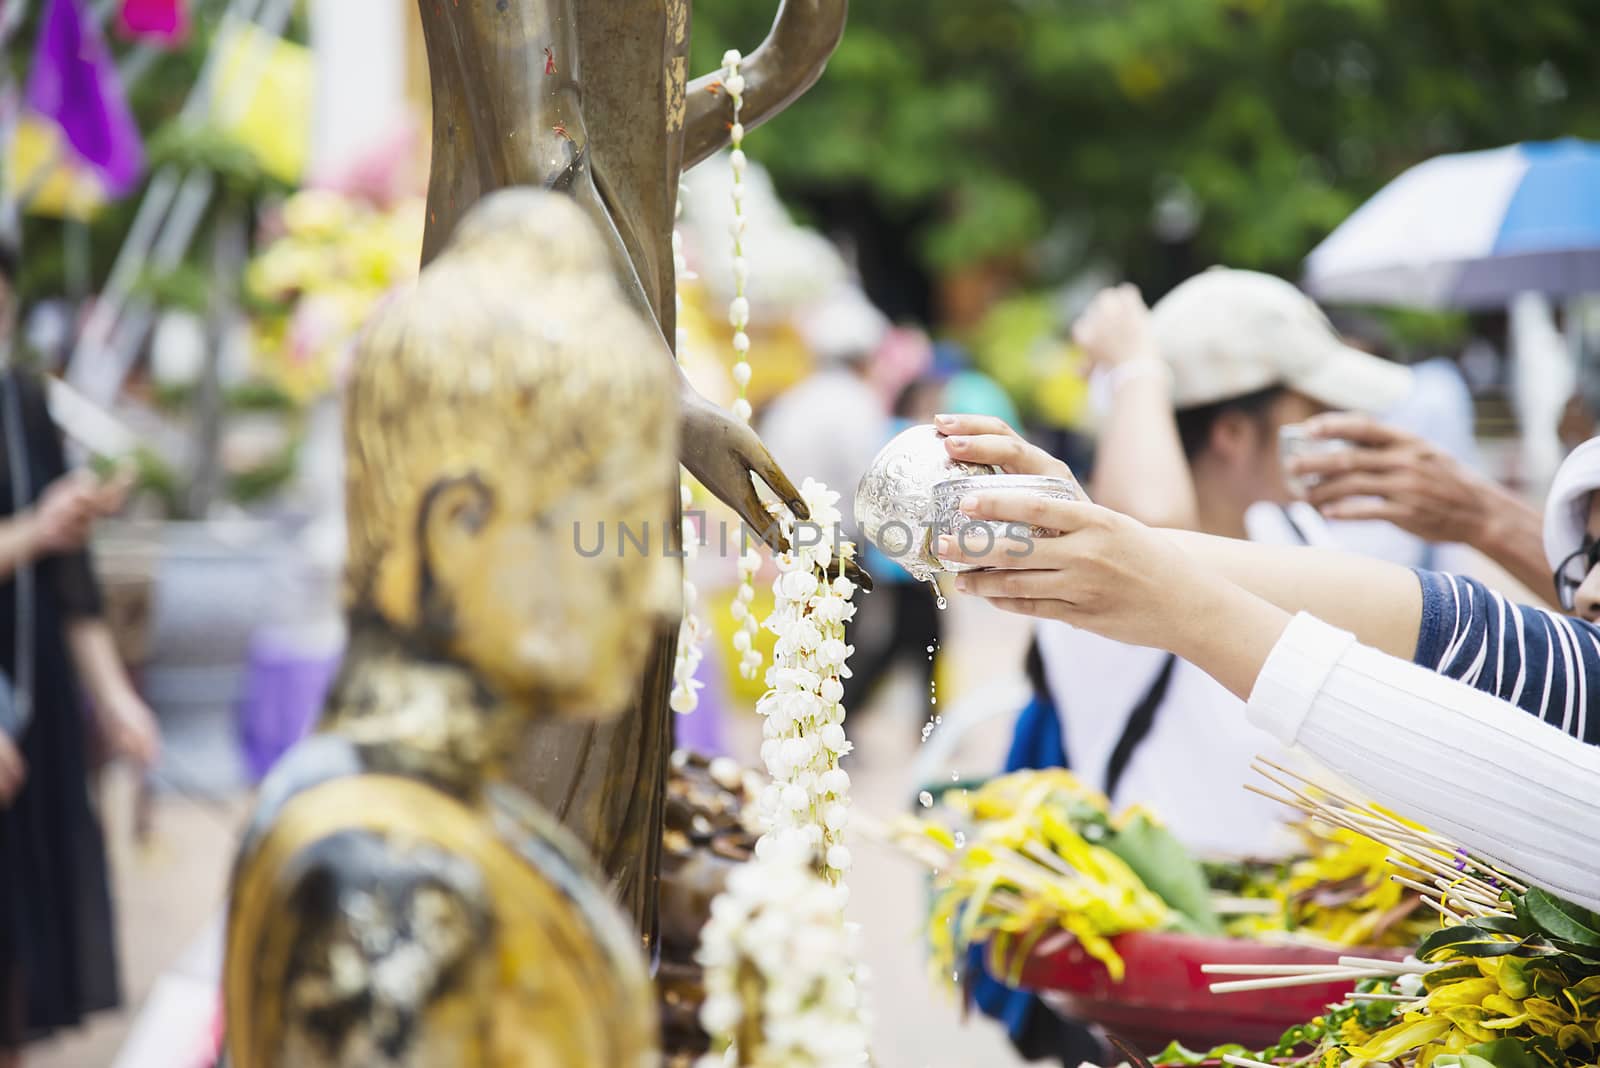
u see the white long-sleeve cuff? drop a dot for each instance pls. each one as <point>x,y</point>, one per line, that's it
<point>1506,785</point>
<point>1294,676</point>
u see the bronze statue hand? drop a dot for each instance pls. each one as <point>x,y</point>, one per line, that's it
<point>786,64</point>
<point>723,454</point>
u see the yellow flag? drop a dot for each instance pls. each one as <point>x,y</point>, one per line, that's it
<point>44,169</point>
<point>262,98</point>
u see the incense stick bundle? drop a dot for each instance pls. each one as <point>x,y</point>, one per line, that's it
<point>1451,882</point>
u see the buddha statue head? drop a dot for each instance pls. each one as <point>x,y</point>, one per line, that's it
<point>511,454</point>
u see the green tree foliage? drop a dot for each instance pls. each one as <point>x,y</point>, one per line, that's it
<point>1021,119</point>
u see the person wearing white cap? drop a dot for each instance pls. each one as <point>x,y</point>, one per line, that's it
<point>1199,388</point>
<point>1241,354</point>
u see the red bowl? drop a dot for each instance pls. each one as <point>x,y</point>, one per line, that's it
<point>1164,996</point>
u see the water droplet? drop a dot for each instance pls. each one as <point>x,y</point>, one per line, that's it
<point>955,776</point>
<point>930,649</point>
<point>961,839</point>
<point>941,602</point>
<point>925,799</point>
<point>927,731</point>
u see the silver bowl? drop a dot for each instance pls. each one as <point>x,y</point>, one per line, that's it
<point>980,537</point>
<point>894,501</point>
<point>1293,440</point>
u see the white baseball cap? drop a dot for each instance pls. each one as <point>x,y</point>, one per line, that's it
<point>1226,333</point>
<point>1566,508</point>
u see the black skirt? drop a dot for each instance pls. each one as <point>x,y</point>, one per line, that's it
<point>57,944</point>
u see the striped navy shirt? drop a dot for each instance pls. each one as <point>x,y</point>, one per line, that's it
<point>1542,662</point>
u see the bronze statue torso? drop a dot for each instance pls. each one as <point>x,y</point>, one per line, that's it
<point>380,919</point>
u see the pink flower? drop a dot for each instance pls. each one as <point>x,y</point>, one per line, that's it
<point>165,20</point>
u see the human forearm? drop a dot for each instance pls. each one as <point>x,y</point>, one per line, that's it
<point>1233,652</point>
<point>1380,603</point>
<point>126,722</point>
<point>18,543</point>
<point>1140,468</point>
<point>1511,535</point>
<point>99,667</point>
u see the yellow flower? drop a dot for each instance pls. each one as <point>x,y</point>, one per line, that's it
<point>999,888</point>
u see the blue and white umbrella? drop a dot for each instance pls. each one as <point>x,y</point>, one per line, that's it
<point>1471,231</point>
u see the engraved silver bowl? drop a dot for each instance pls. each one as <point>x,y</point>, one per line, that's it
<point>894,500</point>
<point>1293,440</point>
<point>980,537</point>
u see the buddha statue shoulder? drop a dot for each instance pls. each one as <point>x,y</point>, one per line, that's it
<point>397,901</point>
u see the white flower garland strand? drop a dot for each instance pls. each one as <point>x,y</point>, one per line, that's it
<point>739,307</point>
<point>748,625</point>
<point>806,805</point>
<point>691,632</point>
<point>780,971</point>
<point>739,319</point>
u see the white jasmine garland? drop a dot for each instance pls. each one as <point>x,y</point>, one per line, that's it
<point>739,306</point>
<point>779,924</point>
<point>806,805</point>
<point>691,633</point>
<point>747,625</point>
<point>739,319</point>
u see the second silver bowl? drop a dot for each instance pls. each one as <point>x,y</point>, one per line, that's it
<point>985,537</point>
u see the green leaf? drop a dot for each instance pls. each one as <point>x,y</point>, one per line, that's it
<point>1168,869</point>
<point>1179,1054</point>
<point>1585,954</point>
<point>1503,1053</point>
<point>1463,1060</point>
<point>1562,919</point>
<point>1508,925</point>
<point>1469,940</point>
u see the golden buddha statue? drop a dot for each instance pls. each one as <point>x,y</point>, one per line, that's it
<point>591,98</point>
<point>397,902</point>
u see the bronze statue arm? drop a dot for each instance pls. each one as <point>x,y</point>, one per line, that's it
<point>785,65</point>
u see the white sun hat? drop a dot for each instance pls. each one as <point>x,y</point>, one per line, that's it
<point>1226,333</point>
<point>1566,509</point>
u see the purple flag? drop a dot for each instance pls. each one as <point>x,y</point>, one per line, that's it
<point>74,83</point>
